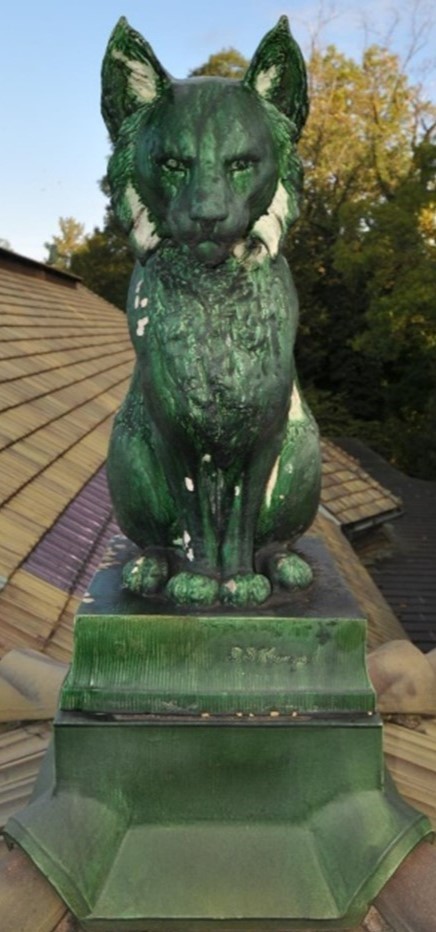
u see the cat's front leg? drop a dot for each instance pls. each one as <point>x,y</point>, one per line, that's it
<point>197,581</point>
<point>241,585</point>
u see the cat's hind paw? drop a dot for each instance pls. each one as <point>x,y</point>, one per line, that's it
<point>291,571</point>
<point>145,575</point>
<point>192,589</point>
<point>245,589</point>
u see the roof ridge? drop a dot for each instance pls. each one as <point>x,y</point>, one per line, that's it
<point>39,269</point>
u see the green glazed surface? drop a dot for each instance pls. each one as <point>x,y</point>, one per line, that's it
<point>214,452</point>
<point>168,827</point>
<point>218,665</point>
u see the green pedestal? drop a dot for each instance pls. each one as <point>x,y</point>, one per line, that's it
<point>216,771</point>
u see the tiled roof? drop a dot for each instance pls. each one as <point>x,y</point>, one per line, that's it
<point>22,749</point>
<point>406,574</point>
<point>66,361</point>
<point>69,553</point>
<point>382,623</point>
<point>411,758</point>
<point>354,498</point>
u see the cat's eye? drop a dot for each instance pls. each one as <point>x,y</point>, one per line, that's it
<point>172,164</point>
<point>241,164</point>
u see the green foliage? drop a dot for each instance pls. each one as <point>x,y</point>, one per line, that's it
<point>228,63</point>
<point>104,262</point>
<point>363,256</point>
<point>62,247</point>
<point>102,259</point>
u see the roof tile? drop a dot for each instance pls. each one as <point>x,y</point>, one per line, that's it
<point>349,493</point>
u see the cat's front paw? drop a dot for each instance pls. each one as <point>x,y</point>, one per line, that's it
<point>245,589</point>
<point>145,575</point>
<point>291,572</point>
<point>192,589</point>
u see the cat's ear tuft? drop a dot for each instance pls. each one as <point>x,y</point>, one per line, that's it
<point>131,76</point>
<point>278,73</point>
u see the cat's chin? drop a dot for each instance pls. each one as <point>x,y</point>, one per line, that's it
<point>210,252</point>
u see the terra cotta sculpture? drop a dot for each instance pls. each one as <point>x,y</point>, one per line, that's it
<point>214,460</point>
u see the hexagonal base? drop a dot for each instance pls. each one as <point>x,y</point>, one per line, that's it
<point>160,824</point>
<point>218,772</point>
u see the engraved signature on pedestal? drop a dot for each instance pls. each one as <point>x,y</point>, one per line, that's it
<point>267,656</point>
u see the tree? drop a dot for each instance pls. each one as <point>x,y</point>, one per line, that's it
<point>62,246</point>
<point>228,63</point>
<point>362,248</point>
<point>391,261</point>
<point>104,262</point>
<point>101,259</point>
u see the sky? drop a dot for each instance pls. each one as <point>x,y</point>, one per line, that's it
<point>54,145</point>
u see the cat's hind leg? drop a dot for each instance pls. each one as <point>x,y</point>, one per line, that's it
<point>291,497</point>
<point>142,500</point>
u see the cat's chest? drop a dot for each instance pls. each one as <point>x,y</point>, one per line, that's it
<point>231,343</point>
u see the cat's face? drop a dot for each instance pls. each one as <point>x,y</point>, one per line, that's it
<point>206,165</point>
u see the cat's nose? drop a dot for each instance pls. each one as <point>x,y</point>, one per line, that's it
<point>208,206</point>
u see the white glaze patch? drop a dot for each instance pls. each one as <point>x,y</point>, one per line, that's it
<point>237,491</point>
<point>141,77</point>
<point>248,254</point>
<point>189,484</point>
<point>206,458</point>
<point>271,226</point>
<point>141,325</point>
<point>271,484</point>
<point>186,546</point>
<point>144,302</point>
<point>265,81</point>
<point>134,201</point>
<point>240,250</point>
<point>296,412</point>
<point>143,234</point>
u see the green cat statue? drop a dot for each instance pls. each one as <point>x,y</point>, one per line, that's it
<point>214,464</point>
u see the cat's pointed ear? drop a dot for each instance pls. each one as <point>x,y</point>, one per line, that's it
<point>131,76</point>
<point>278,73</point>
